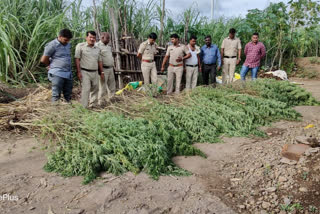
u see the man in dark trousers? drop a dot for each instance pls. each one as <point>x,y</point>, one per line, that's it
<point>57,55</point>
<point>210,57</point>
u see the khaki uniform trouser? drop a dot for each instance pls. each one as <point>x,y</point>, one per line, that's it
<point>149,70</point>
<point>90,88</point>
<point>191,77</point>
<point>229,67</point>
<point>106,86</point>
<point>174,72</point>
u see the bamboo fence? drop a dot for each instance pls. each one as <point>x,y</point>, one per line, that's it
<point>130,65</point>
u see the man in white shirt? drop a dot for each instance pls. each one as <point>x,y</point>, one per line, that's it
<point>192,64</point>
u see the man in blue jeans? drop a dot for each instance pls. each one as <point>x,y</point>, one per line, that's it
<point>254,52</point>
<point>57,55</point>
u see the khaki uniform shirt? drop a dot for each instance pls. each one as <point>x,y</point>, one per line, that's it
<point>174,52</point>
<point>106,54</point>
<point>147,50</point>
<point>89,56</point>
<point>231,46</point>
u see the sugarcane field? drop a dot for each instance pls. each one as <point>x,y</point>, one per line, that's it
<point>159,106</point>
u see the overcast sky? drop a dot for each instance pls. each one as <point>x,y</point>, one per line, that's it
<point>228,8</point>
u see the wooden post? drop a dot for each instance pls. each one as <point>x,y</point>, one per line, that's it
<point>115,27</point>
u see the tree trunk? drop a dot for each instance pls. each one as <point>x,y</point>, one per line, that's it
<point>161,22</point>
<point>281,57</point>
<point>317,48</point>
<point>274,59</point>
<point>186,27</point>
<point>266,61</point>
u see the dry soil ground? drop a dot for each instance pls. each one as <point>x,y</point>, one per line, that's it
<point>308,67</point>
<point>241,175</point>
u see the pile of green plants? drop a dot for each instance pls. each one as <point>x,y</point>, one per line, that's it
<point>89,142</point>
<point>94,142</point>
<point>283,91</point>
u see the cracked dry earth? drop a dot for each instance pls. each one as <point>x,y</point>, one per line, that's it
<point>241,175</point>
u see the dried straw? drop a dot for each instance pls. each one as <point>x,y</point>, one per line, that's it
<point>24,111</point>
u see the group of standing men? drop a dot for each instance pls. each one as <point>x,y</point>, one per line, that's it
<point>207,59</point>
<point>94,63</point>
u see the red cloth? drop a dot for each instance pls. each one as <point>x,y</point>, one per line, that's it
<point>254,53</point>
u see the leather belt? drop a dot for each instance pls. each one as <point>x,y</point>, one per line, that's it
<point>230,57</point>
<point>209,64</point>
<point>146,60</point>
<point>107,67</point>
<point>89,70</point>
<point>179,65</point>
<point>192,65</point>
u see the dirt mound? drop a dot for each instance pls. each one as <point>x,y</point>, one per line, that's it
<point>308,67</point>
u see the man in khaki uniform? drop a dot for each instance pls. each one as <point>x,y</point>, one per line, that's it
<point>230,56</point>
<point>89,67</point>
<point>108,84</point>
<point>192,64</point>
<point>146,53</point>
<point>177,53</point>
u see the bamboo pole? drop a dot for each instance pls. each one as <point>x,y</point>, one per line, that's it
<point>114,18</point>
<point>96,24</point>
<point>161,22</point>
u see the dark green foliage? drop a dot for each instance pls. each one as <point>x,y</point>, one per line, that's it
<point>93,142</point>
<point>283,91</point>
<point>209,113</point>
<point>115,144</point>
